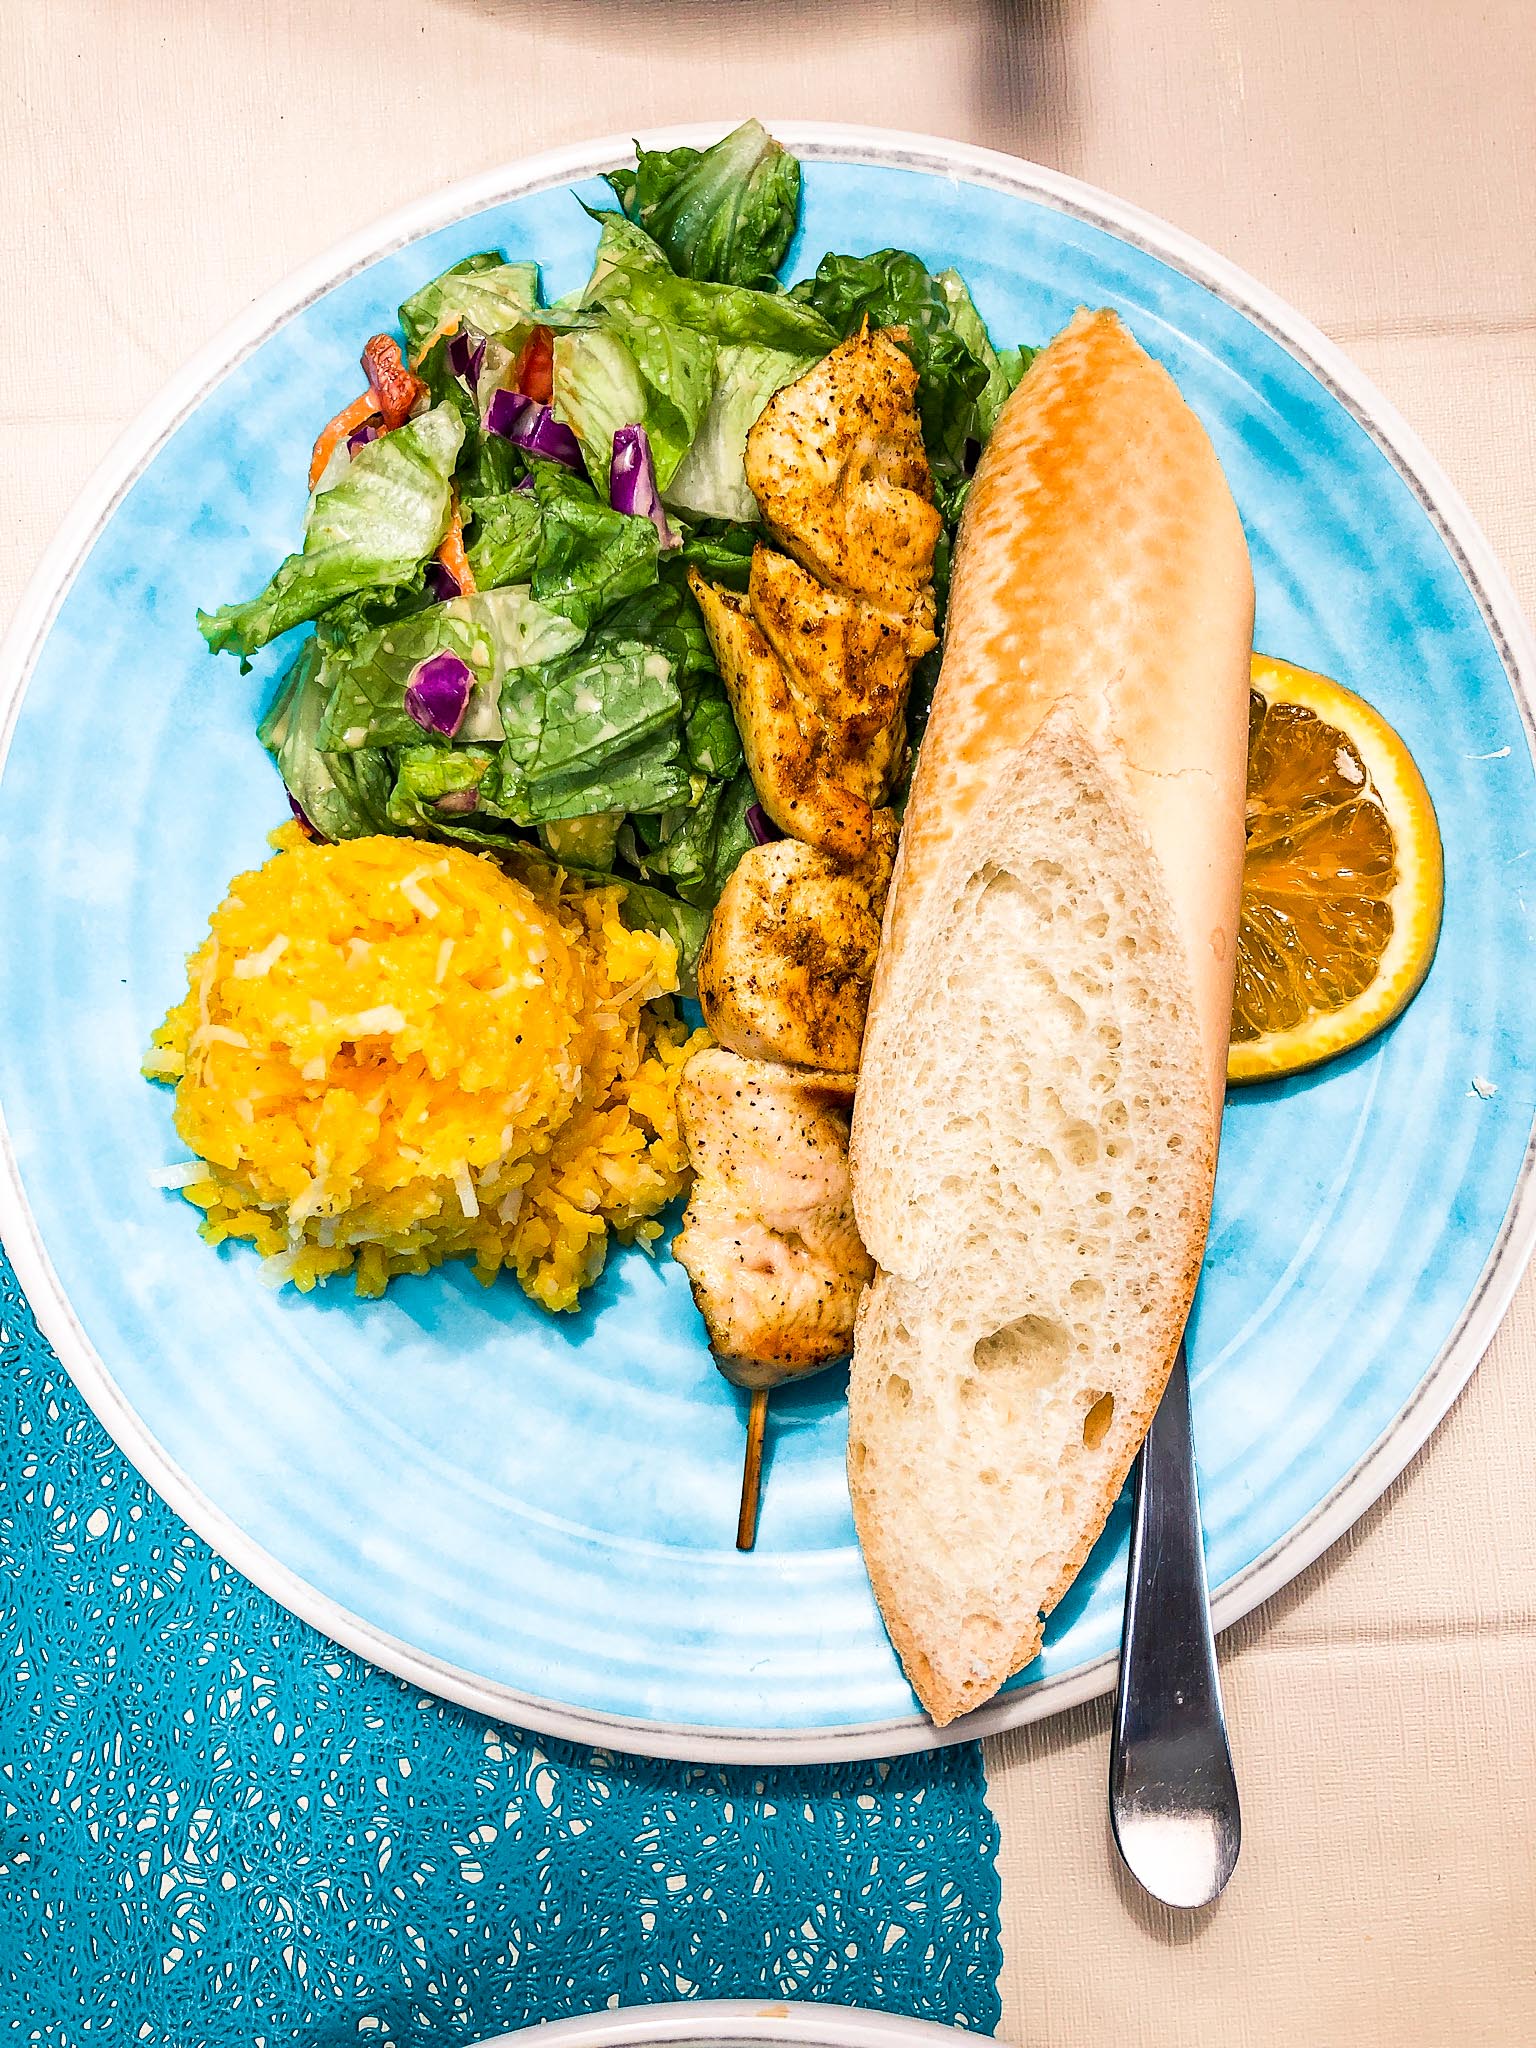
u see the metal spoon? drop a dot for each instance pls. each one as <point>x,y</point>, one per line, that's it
<point>1172,1792</point>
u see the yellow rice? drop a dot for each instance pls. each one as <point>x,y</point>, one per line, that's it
<point>392,1053</point>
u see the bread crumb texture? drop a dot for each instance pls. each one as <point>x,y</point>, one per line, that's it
<point>1032,1171</point>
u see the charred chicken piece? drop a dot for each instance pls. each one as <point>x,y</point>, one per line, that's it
<point>836,462</point>
<point>849,662</point>
<point>786,970</point>
<point>792,763</point>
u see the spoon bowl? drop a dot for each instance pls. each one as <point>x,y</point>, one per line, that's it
<point>1173,1800</point>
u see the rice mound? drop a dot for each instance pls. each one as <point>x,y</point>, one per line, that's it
<point>392,1054</point>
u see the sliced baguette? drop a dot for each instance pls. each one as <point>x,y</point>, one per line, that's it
<point>1035,1131</point>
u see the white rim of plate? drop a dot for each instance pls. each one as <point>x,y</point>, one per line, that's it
<point>751,2022</point>
<point>1449,1372</point>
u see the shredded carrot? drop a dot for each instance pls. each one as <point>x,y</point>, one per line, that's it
<point>451,554</point>
<point>449,326</point>
<point>347,421</point>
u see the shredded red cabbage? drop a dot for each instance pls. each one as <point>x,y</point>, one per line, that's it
<point>505,410</point>
<point>458,800</point>
<point>298,811</point>
<point>528,423</point>
<point>359,437</point>
<point>437,695</point>
<point>441,581</point>
<point>466,353</point>
<point>632,482</point>
<point>759,825</point>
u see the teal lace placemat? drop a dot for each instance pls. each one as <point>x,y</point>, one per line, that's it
<point>218,1827</point>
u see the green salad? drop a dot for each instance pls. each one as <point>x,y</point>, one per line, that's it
<point>504,649</point>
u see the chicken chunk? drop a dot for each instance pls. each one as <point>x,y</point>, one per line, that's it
<point>791,758</point>
<point>836,462</point>
<point>769,1240</point>
<point>786,970</point>
<point>847,661</point>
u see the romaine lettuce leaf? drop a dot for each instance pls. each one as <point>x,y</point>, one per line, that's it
<point>590,557</point>
<point>697,848</point>
<point>1015,361</point>
<point>1003,371</point>
<point>423,775</point>
<point>723,551</point>
<point>711,481</point>
<point>587,841</point>
<point>367,682</point>
<point>631,273</point>
<point>709,730</point>
<point>343,797</point>
<point>624,252</point>
<point>677,368</point>
<point>666,616</point>
<point>598,389</point>
<point>726,214</point>
<point>346,621</point>
<point>360,784</point>
<point>501,536</point>
<point>484,292</point>
<point>277,721</point>
<point>633,370</point>
<point>598,730</point>
<point>492,631</point>
<point>377,527</point>
<point>523,632</point>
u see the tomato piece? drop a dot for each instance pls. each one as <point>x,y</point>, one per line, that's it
<point>395,388</point>
<point>535,373</point>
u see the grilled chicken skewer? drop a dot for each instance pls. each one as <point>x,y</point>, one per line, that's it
<point>817,658</point>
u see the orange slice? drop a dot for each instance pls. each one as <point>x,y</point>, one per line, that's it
<point>1343,879</point>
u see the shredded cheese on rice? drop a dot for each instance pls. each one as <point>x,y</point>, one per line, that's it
<point>378,1075</point>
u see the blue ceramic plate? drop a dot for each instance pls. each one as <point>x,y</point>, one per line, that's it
<point>536,1516</point>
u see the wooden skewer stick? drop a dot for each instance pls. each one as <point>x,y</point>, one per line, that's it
<point>752,1470</point>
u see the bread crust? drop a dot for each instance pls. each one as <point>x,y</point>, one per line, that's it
<point>1101,563</point>
<point>1101,574</point>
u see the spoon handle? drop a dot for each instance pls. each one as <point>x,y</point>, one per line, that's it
<point>1172,1792</point>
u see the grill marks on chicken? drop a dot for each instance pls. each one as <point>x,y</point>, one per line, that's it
<point>848,661</point>
<point>791,756</point>
<point>817,657</point>
<point>786,969</point>
<point>836,462</point>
